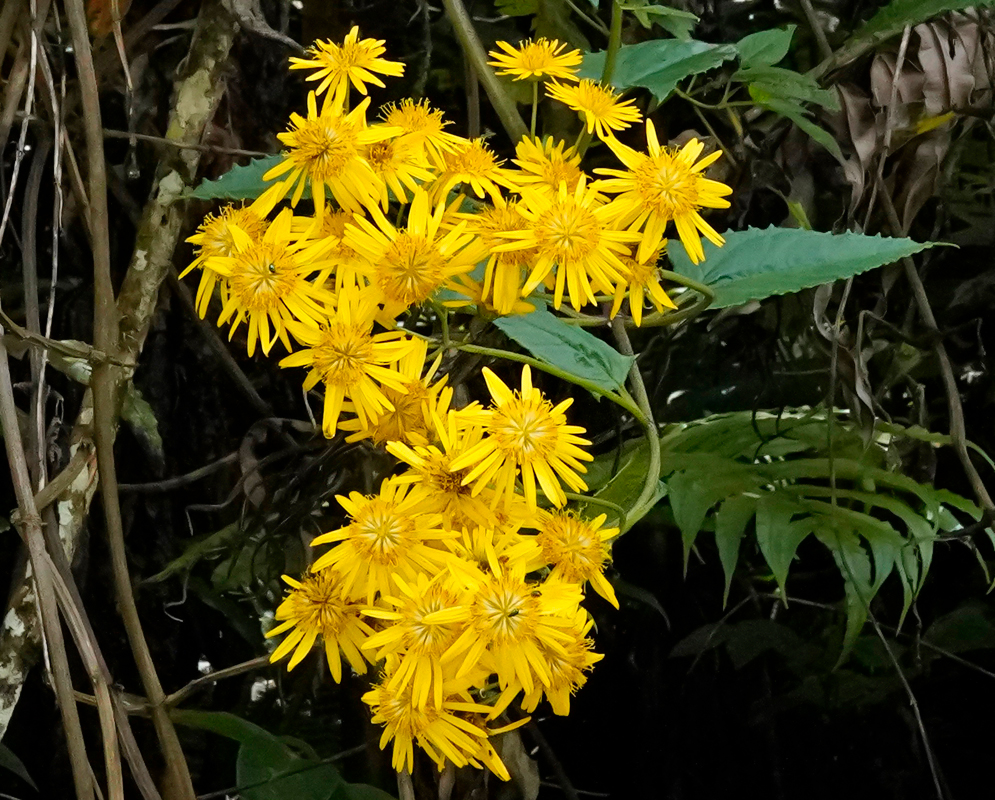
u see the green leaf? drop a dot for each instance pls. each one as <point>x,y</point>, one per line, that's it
<point>777,535</point>
<point>658,65</point>
<point>759,263</point>
<point>625,487</point>
<point>517,8</point>
<point>10,762</point>
<point>730,527</point>
<point>361,791</point>
<point>777,83</point>
<point>201,547</point>
<point>568,347</point>
<point>798,115</point>
<point>226,724</point>
<point>675,21</point>
<point>892,19</point>
<point>764,48</point>
<point>136,411</point>
<point>964,629</point>
<point>240,182</point>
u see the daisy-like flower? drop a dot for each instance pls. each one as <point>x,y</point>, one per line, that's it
<point>431,469</point>
<point>330,248</point>
<point>327,150</point>
<point>394,163</point>
<point>528,434</point>
<point>444,732</point>
<point>410,263</point>
<point>473,165</point>
<point>266,282</point>
<point>496,549</point>
<point>600,106</point>
<point>476,294</point>
<point>388,534</point>
<point>578,549</point>
<point>573,233</point>
<point>665,185</point>
<point>316,608</point>
<point>543,58</point>
<point>643,281</point>
<point>354,61</point>
<point>350,359</point>
<point>510,620</point>
<point>422,126</point>
<point>502,285</point>
<point>410,419</point>
<point>217,236</point>
<point>545,164</point>
<point>427,618</point>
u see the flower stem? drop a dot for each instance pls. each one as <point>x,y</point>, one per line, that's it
<point>646,498</point>
<point>614,43</point>
<point>535,109</point>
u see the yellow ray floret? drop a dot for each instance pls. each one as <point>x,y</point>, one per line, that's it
<point>351,361</point>
<point>423,127</point>
<point>578,549</point>
<point>572,233</point>
<point>316,609</point>
<point>266,282</point>
<point>354,61</point>
<point>326,151</point>
<point>599,106</point>
<point>388,535</point>
<point>475,167</point>
<point>545,164</point>
<point>643,281</point>
<point>543,58</point>
<point>665,185</point>
<point>526,434</point>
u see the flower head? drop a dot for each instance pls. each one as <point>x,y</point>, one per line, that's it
<point>578,549</point>
<point>529,435</point>
<point>665,185</point>
<point>545,164</point>
<point>503,277</point>
<point>568,666</point>
<point>395,163</point>
<point>388,535</point>
<point>643,279</point>
<point>476,167</point>
<point>422,126</point>
<point>350,359</point>
<point>316,608</point>
<point>600,107</point>
<point>543,58</point>
<point>354,61</point>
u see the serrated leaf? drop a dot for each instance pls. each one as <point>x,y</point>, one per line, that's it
<point>759,263</point>
<point>568,347</point>
<point>677,22</point>
<point>892,19</point>
<point>778,536</point>
<point>777,83</point>
<point>764,48</point>
<point>240,182</point>
<point>731,520</point>
<point>136,411</point>
<point>658,65</point>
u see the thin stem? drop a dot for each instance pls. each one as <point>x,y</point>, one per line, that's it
<point>614,43</point>
<point>535,109</point>
<point>598,501</point>
<point>647,496</point>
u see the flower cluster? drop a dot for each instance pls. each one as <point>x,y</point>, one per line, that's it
<point>462,579</point>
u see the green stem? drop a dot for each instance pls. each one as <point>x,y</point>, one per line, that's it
<point>474,50</point>
<point>622,398</point>
<point>597,501</point>
<point>535,108</point>
<point>614,43</point>
<point>646,498</point>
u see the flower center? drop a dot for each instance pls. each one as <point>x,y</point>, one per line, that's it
<point>342,354</point>
<point>666,185</point>
<point>383,156</point>
<point>263,275</point>
<point>381,535</point>
<point>567,230</point>
<point>506,613</point>
<point>323,146</point>
<point>410,270</point>
<point>414,117</point>
<point>474,160</point>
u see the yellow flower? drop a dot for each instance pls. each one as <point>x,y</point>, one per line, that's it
<point>393,162</point>
<point>578,549</point>
<point>573,233</point>
<point>599,106</point>
<point>350,359</point>
<point>266,282</point>
<point>546,165</point>
<point>431,470</point>
<point>644,278</point>
<point>444,732</point>
<point>343,264</point>
<point>388,535</point>
<point>665,185</point>
<point>422,126</point>
<point>473,165</point>
<point>354,61</point>
<point>410,419</point>
<point>496,549</point>
<point>409,264</point>
<point>543,58</point>
<point>326,150</point>
<point>427,618</point>
<point>217,236</point>
<point>511,618</point>
<point>526,433</point>
<point>316,607</point>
